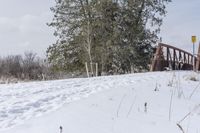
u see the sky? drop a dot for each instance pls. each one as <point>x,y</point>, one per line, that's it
<point>181,22</point>
<point>23,25</point>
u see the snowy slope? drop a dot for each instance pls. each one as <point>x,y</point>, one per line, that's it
<point>118,107</point>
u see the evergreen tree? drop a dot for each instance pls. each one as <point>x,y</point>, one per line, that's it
<point>117,34</point>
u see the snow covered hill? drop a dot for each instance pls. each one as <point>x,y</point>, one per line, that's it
<point>112,104</point>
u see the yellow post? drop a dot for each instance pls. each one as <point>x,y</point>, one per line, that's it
<point>194,39</point>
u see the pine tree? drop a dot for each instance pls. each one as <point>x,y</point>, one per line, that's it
<point>117,34</point>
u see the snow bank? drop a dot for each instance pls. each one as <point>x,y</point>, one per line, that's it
<point>118,107</point>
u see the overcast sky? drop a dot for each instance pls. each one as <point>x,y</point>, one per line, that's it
<point>181,22</point>
<point>23,25</point>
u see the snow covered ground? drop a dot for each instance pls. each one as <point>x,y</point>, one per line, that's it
<point>112,104</point>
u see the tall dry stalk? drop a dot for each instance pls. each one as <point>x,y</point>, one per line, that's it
<point>170,106</point>
<point>120,104</point>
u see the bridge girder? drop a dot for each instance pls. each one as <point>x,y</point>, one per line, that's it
<point>170,57</point>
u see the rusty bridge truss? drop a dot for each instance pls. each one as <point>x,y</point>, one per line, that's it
<point>171,58</point>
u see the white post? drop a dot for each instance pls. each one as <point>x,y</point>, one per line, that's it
<point>86,66</point>
<point>96,69</point>
<point>193,41</point>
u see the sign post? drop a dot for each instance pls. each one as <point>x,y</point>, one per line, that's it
<point>194,39</point>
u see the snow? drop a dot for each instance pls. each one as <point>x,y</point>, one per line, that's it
<point>112,104</point>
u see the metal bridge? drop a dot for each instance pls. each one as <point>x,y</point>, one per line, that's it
<point>172,58</point>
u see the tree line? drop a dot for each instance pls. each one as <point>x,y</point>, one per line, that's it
<point>117,35</point>
<point>26,67</point>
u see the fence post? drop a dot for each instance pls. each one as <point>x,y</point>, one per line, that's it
<point>86,66</point>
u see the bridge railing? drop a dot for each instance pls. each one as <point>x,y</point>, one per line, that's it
<point>173,58</point>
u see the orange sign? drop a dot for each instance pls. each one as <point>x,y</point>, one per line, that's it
<point>194,39</point>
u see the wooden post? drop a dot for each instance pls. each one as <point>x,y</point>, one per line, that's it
<point>180,56</point>
<point>86,66</point>
<point>168,52</point>
<point>171,62</point>
<point>198,59</point>
<point>184,58</point>
<point>156,59</point>
<point>96,69</point>
<point>174,59</point>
